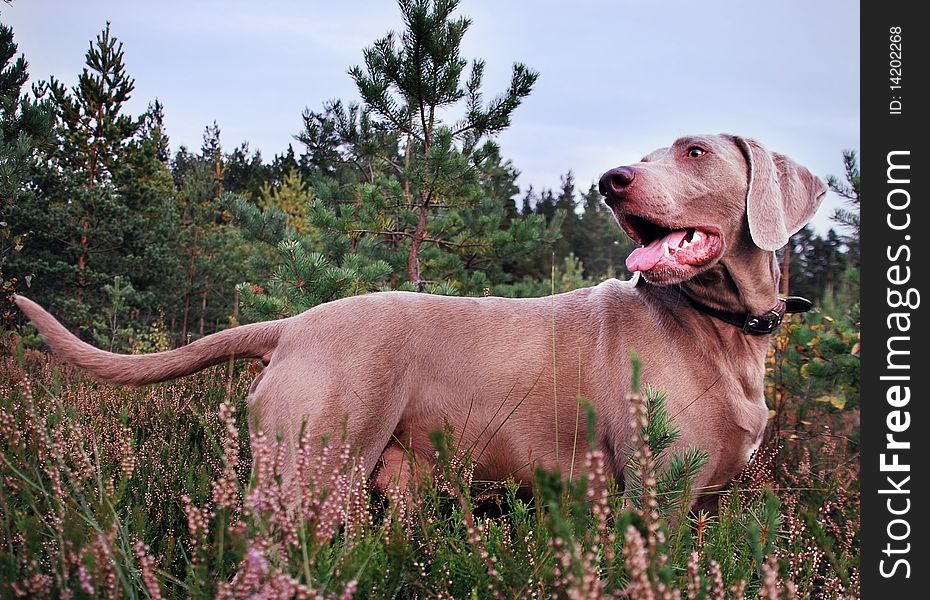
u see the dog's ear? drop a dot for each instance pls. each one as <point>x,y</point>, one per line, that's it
<point>781,198</point>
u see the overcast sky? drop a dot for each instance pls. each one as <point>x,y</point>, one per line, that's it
<point>617,79</point>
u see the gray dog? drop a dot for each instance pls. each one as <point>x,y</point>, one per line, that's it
<point>505,374</point>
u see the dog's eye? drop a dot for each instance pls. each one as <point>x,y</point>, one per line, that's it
<point>695,152</point>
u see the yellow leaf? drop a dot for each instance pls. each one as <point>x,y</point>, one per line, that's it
<point>855,348</point>
<point>836,401</point>
<point>805,370</point>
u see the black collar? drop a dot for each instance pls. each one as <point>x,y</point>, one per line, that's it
<point>764,324</point>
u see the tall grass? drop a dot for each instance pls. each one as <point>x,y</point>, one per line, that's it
<point>163,492</point>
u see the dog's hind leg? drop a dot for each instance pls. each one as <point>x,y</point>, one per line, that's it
<point>305,414</point>
<point>398,467</point>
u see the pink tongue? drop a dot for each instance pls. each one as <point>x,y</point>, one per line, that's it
<point>644,258</point>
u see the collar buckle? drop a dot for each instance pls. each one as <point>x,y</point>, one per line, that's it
<point>763,324</point>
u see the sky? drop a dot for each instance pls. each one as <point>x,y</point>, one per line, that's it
<point>616,79</point>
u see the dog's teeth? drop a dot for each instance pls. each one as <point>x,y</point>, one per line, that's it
<point>665,250</point>
<point>697,236</point>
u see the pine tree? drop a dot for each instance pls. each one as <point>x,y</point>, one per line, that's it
<point>529,199</point>
<point>103,206</point>
<point>283,165</point>
<point>343,144</point>
<point>93,130</point>
<point>211,152</point>
<point>301,276</point>
<point>397,197</point>
<point>499,183</point>
<point>153,129</point>
<point>393,184</point>
<point>565,204</point>
<point>144,188</point>
<point>25,124</point>
<point>563,276</point>
<point>600,243</point>
<point>25,127</point>
<point>816,265</point>
<point>848,218</point>
<point>93,126</point>
<point>292,197</point>
<point>545,205</point>
<point>245,173</point>
<point>213,256</point>
<point>408,82</point>
<point>321,141</point>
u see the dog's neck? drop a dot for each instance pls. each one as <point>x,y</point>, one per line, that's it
<point>743,282</point>
<point>739,294</point>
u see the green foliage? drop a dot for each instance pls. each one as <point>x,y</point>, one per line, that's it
<point>292,197</point>
<point>25,126</point>
<point>675,472</point>
<point>816,365</point>
<point>213,256</point>
<point>407,84</point>
<point>592,235</point>
<point>93,126</point>
<point>409,178</point>
<point>849,190</point>
<point>564,278</point>
<point>304,279</point>
<point>100,199</point>
<point>849,220</point>
<point>121,295</point>
<point>826,351</point>
<point>391,184</point>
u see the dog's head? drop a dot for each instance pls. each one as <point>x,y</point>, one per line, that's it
<point>690,204</point>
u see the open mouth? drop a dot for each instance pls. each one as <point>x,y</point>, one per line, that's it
<point>666,249</point>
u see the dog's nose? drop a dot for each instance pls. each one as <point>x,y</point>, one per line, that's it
<point>615,181</point>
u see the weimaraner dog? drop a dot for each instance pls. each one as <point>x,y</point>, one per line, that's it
<point>386,369</point>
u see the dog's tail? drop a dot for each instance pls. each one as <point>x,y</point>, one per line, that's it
<point>248,341</point>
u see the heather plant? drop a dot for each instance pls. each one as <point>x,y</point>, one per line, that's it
<point>165,492</point>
